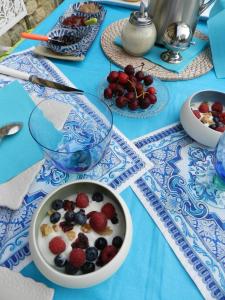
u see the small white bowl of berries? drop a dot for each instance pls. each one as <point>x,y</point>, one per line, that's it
<point>134,92</point>
<point>80,234</point>
<point>203,117</point>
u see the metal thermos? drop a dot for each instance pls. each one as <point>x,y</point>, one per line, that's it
<point>167,12</point>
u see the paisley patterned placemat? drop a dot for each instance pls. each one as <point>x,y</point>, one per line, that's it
<point>122,164</point>
<point>199,66</point>
<point>179,194</point>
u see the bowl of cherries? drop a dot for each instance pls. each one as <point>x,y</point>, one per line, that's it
<point>134,92</point>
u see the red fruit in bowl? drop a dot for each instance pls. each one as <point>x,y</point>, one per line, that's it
<point>130,86</point>
<point>140,75</point>
<point>108,253</point>
<point>119,90</point>
<point>132,78</point>
<point>203,107</point>
<point>130,96</point>
<point>121,101</point>
<point>129,69</point>
<point>123,78</point>
<point>222,117</point>
<point>112,86</point>
<point>139,88</point>
<point>113,76</point>
<point>148,80</point>
<point>196,113</point>
<point>145,103</point>
<point>108,93</point>
<point>57,245</point>
<point>98,221</point>
<point>82,200</point>
<point>151,90</point>
<point>220,129</point>
<point>152,99</point>
<point>133,105</point>
<point>108,210</point>
<point>77,257</point>
<point>217,106</point>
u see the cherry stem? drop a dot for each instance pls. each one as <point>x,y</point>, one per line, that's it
<point>133,85</point>
<point>142,65</point>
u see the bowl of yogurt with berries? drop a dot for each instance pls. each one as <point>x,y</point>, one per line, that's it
<point>80,234</point>
<point>203,117</point>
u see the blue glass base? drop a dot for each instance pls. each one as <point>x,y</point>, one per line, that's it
<point>218,182</point>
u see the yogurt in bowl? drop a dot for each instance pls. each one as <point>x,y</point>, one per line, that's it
<point>80,234</point>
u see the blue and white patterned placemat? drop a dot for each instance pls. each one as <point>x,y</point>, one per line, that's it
<point>122,164</point>
<point>179,194</point>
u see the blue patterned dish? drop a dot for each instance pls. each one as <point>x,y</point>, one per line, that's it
<point>77,48</point>
<point>98,15</point>
<point>89,32</point>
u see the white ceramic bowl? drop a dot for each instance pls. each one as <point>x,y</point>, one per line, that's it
<point>90,279</point>
<point>193,126</point>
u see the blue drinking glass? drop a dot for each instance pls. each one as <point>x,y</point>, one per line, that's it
<point>220,159</point>
<point>74,137</point>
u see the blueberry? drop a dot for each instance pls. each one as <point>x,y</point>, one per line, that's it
<point>80,218</point>
<point>117,242</point>
<point>69,216</point>
<point>97,196</point>
<point>60,261</point>
<point>216,119</point>
<point>57,204</point>
<point>115,220</point>
<point>91,253</point>
<point>55,217</point>
<point>70,269</point>
<point>100,243</point>
<point>88,267</point>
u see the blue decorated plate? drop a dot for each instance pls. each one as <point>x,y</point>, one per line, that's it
<point>87,34</point>
<point>162,95</point>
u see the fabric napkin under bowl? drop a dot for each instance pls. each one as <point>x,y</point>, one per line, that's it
<point>20,151</point>
<point>188,55</point>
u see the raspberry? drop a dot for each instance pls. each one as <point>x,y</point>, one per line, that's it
<point>98,221</point>
<point>91,213</point>
<point>196,113</point>
<point>222,117</point>
<point>107,254</point>
<point>203,107</point>
<point>217,106</point>
<point>220,129</point>
<point>77,257</point>
<point>81,241</point>
<point>57,245</point>
<point>108,210</point>
<point>82,200</point>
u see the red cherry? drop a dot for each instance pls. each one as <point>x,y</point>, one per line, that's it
<point>129,69</point>
<point>148,79</point>
<point>151,90</point>
<point>139,88</point>
<point>119,90</point>
<point>121,101</point>
<point>152,99</point>
<point>145,103</point>
<point>130,96</point>
<point>108,93</point>
<point>123,78</point>
<point>113,76</point>
<point>140,75</point>
<point>133,105</point>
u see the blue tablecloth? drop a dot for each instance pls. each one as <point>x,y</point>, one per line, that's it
<point>151,271</point>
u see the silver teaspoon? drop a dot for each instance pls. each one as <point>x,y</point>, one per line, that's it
<point>10,129</point>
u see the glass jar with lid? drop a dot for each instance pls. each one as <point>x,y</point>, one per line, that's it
<point>138,34</point>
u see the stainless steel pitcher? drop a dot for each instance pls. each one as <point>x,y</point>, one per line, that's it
<point>166,12</point>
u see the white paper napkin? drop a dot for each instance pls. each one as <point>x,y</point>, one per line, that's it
<point>13,191</point>
<point>14,286</point>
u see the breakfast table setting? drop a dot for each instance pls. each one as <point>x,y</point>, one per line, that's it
<point>112,181</point>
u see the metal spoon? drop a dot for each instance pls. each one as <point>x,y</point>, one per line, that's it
<point>10,129</point>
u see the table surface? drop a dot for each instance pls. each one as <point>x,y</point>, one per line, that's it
<point>165,277</point>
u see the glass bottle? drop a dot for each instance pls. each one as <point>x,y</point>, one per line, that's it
<point>139,33</point>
